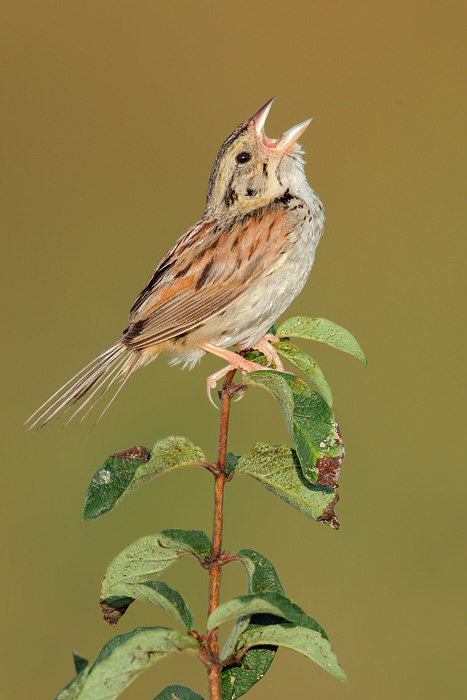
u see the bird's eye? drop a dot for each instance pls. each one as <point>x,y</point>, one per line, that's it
<point>243,157</point>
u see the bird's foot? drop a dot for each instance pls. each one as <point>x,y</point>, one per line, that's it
<point>269,351</point>
<point>235,361</point>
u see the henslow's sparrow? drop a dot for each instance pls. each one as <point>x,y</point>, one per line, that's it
<point>228,278</point>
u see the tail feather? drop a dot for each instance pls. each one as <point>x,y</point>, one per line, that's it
<point>72,384</point>
<point>77,387</point>
<point>114,365</point>
<point>100,382</point>
<point>122,377</point>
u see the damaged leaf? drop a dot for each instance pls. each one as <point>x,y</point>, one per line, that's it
<point>277,467</point>
<point>124,472</point>
<point>311,424</point>
<point>142,562</point>
<point>158,593</point>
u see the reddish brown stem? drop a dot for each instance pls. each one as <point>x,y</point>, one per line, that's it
<point>214,671</point>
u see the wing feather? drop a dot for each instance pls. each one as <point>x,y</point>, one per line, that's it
<point>210,267</point>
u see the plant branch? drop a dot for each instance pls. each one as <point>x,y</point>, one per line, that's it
<point>214,671</point>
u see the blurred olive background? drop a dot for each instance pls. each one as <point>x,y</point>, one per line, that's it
<point>112,114</point>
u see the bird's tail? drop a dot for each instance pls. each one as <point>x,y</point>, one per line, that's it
<point>109,369</point>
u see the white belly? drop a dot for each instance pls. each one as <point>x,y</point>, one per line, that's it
<point>273,294</point>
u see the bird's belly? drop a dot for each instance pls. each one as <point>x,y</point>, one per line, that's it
<point>245,321</point>
<point>269,298</point>
<point>250,317</point>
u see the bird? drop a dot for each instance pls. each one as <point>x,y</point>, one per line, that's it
<point>226,280</point>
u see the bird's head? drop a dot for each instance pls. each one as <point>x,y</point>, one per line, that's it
<point>251,169</point>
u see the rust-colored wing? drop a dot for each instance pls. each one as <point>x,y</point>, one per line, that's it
<point>208,268</point>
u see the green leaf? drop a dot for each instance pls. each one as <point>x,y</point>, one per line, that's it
<point>195,541</point>
<point>323,331</point>
<point>258,357</point>
<point>143,561</point>
<point>178,692</point>
<point>304,639</point>
<point>261,573</point>
<point>230,463</point>
<point>125,656</point>
<point>277,467</point>
<point>80,662</point>
<point>124,472</point>
<point>237,679</point>
<point>158,593</point>
<point>73,689</point>
<point>312,426</point>
<point>270,602</point>
<point>308,366</point>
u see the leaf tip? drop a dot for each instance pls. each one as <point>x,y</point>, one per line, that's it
<point>362,358</point>
<point>328,516</point>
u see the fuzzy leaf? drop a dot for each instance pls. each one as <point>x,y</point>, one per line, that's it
<point>73,689</point>
<point>125,656</point>
<point>143,561</point>
<point>277,467</point>
<point>270,602</point>
<point>237,679</point>
<point>312,426</point>
<point>178,692</point>
<point>308,366</point>
<point>323,331</point>
<point>305,639</point>
<point>124,472</point>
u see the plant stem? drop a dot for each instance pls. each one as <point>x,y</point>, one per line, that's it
<point>214,671</point>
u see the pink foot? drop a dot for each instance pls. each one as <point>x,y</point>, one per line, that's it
<point>235,361</point>
<point>269,351</point>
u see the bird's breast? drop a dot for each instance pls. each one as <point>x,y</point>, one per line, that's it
<point>251,316</point>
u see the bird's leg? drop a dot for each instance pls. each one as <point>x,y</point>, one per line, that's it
<point>271,337</point>
<point>264,345</point>
<point>235,361</point>
<point>233,358</point>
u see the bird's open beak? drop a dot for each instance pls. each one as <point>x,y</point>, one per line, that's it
<point>287,139</point>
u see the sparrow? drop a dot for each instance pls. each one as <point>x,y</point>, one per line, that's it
<point>227,279</point>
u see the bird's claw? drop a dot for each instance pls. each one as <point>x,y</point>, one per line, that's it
<point>238,362</point>
<point>212,380</point>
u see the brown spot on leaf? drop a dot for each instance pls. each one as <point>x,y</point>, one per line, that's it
<point>111,614</point>
<point>329,467</point>
<point>328,471</point>
<point>328,516</point>
<point>137,453</point>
